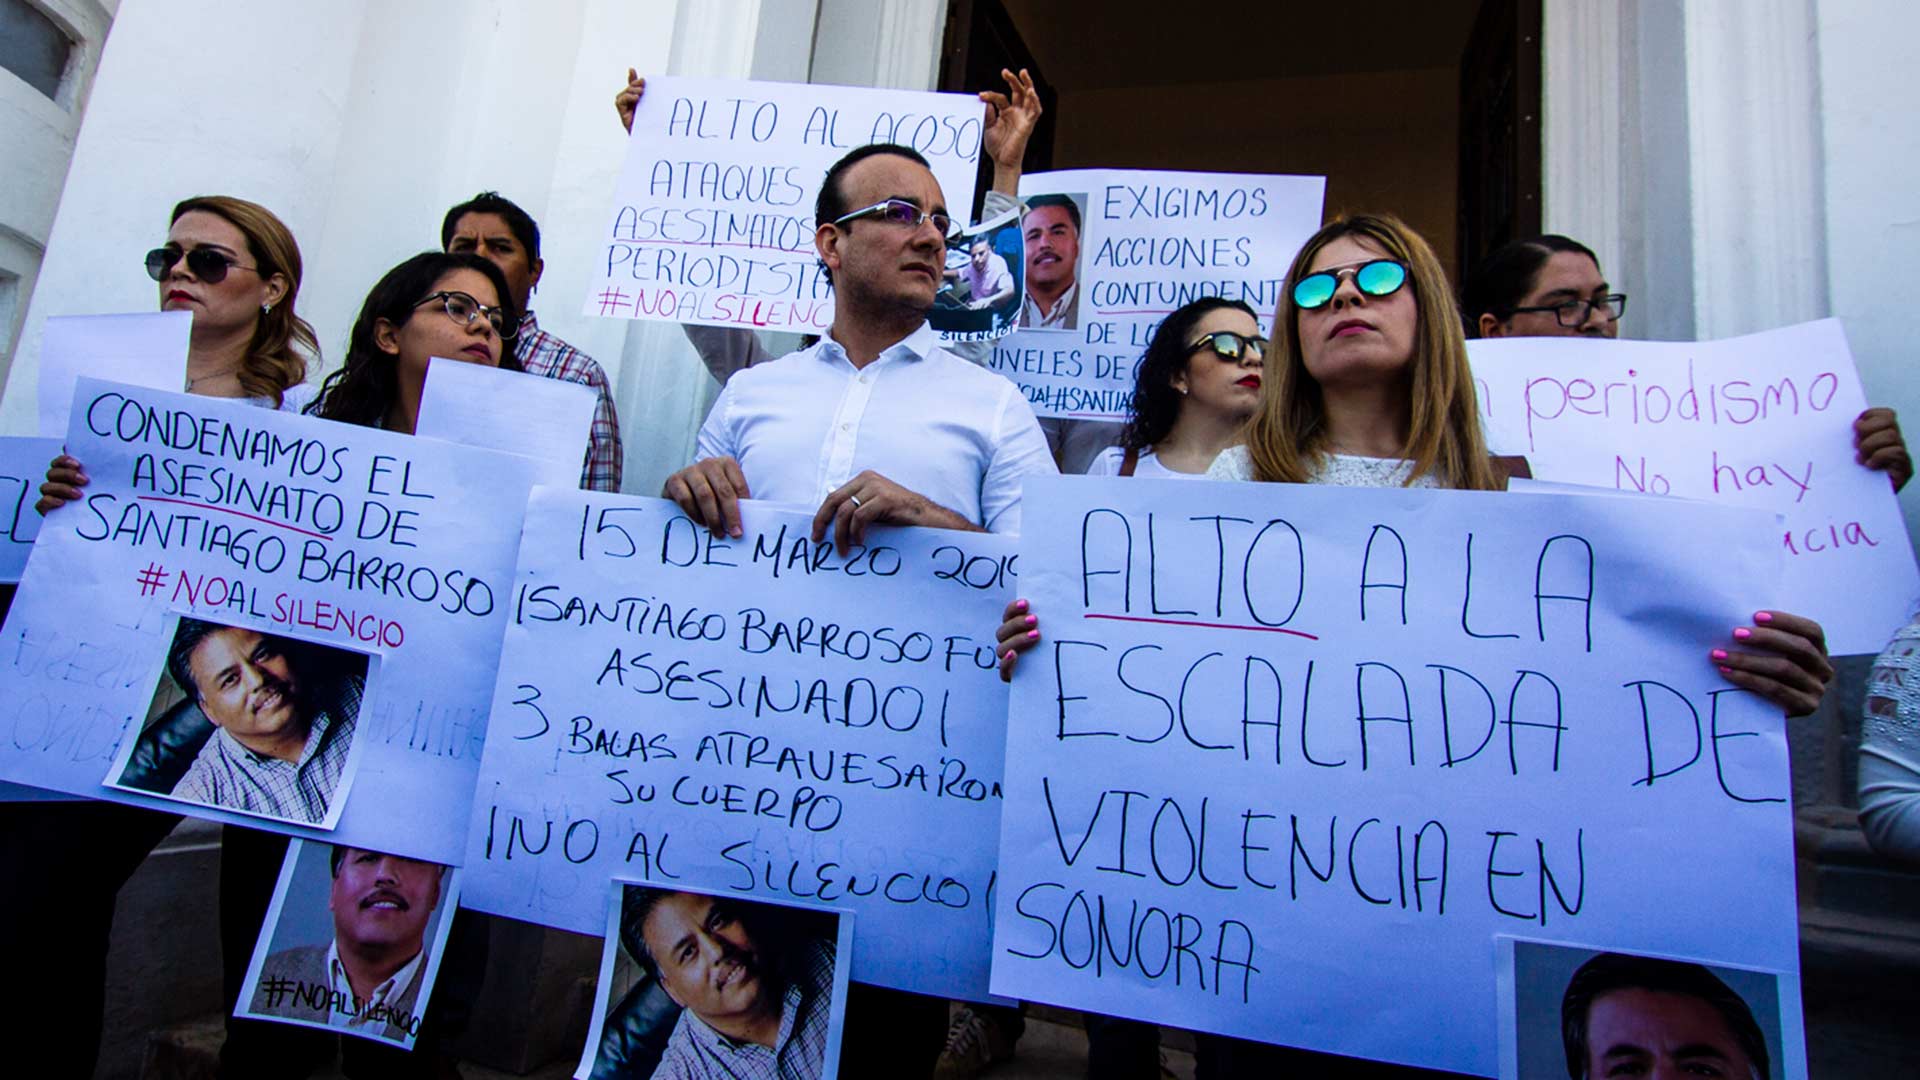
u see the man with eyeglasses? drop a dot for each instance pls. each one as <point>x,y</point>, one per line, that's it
<point>847,425</point>
<point>498,230</point>
<point>1551,286</point>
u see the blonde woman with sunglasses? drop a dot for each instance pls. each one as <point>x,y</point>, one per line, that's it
<point>1367,385</point>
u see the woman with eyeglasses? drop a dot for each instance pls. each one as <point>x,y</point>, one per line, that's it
<point>443,304</point>
<point>1369,387</point>
<point>1551,286</point>
<point>235,267</point>
<point>1198,384</point>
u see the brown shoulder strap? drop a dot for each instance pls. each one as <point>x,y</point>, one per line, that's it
<point>1129,460</point>
<point>1509,466</point>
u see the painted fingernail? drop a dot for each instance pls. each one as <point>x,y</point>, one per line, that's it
<point>1742,633</point>
<point>1020,605</point>
<point>1032,620</point>
<point>1719,654</point>
<point>1724,670</point>
<point>1763,617</point>
<point>1008,655</point>
<point>1033,635</point>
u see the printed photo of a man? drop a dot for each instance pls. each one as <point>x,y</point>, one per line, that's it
<point>699,986</point>
<point>250,721</point>
<point>1586,1013</point>
<point>362,963</point>
<point>1052,231</point>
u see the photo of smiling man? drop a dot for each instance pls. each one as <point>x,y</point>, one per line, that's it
<point>697,986</point>
<point>352,942</point>
<point>249,721</point>
<point>1052,232</point>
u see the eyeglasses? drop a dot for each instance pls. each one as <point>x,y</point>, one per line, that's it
<point>1381,277</point>
<point>903,213</point>
<point>1231,347</point>
<point>1572,313</point>
<point>463,309</point>
<point>206,264</point>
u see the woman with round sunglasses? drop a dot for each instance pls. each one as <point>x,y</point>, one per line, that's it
<point>455,306</point>
<point>1551,286</point>
<point>236,268</point>
<point>1370,387</point>
<point>1198,384</point>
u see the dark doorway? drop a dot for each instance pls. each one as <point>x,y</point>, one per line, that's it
<point>1499,130</point>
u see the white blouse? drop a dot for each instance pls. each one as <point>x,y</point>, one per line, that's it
<point>1340,470</point>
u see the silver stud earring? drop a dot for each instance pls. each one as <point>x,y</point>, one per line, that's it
<point>264,308</point>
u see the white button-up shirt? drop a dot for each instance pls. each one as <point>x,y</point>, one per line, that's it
<point>803,425</point>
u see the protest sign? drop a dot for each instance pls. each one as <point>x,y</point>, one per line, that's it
<point>272,528</point>
<point>551,420</point>
<point>761,716</point>
<point>712,218</point>
<point>371,911</point>
<point>1287,758</point>
<point>1764,420</point>
<point>1133,246</point>
<point>23,466</point>
<point>147,349</point>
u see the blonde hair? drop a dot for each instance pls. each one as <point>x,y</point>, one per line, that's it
<point>1287,438</point>
<point>282,341</point>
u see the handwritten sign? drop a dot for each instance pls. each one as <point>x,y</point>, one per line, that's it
<point>147,349</point>
<point>759,716</point>
<point>23,467</point>
<point>1148,242</point>
<point>549,420</point>
<point>361,539</point>
<point>1764,420</point>
<point>1287,758</point>
<point>712,219</point>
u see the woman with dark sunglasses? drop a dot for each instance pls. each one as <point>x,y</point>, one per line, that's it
<point>1198,384</point>
<point>236,268</point>
<point>444,304</point>
<point>1551,286</point>
<point>1369,387</point>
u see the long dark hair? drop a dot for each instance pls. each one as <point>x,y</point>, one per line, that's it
<point>1156,404</point>
<point>368,383</point>
<point>283,342</point>
<point>1504,278</point>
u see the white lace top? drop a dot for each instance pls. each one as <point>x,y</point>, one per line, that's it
<point>1890,748</point>
<point>1341,470</point>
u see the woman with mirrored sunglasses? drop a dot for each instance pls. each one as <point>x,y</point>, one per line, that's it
<point>1368,386</point>
<point>1197,385</point>
<point>235,267</point>
<point>437,303</point>
<point>1551,286</point>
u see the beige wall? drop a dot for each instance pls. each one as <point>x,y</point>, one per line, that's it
<point>1384,140</point>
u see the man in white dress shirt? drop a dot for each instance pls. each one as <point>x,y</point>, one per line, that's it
<point>876,424</point>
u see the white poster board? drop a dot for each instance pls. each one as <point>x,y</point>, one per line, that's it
<point>549,420</point>
<point>1764,420</point>
<point>1149,242</point>
<point>145,349</point>
<point>23,468</point>
<point>1288,758</point>
<point>760,716</point>
<point>398,548</point>
<point>712,217</point>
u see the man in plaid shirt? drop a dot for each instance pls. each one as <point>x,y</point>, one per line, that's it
<point>496,229</point>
